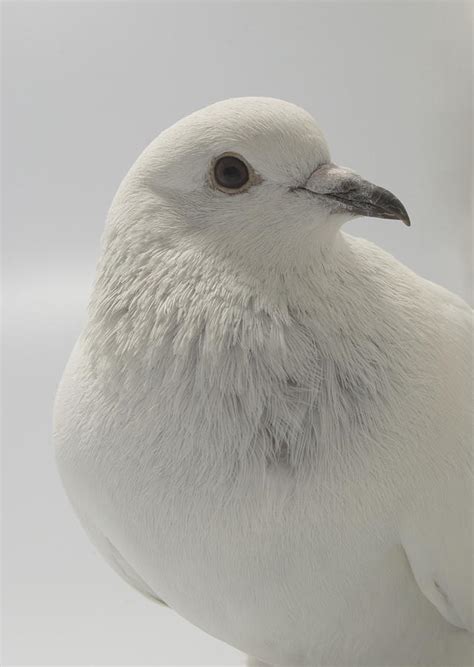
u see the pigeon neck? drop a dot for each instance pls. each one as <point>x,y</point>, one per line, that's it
<point>277,265</point>
<point>140,302</point>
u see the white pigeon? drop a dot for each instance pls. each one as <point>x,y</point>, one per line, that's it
<point>265,422</point>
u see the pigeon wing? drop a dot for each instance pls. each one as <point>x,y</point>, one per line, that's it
<point>438,534</point>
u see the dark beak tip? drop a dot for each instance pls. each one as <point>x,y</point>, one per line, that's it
<point>405,217</point>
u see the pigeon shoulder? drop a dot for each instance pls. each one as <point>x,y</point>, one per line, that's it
<point>434,327</point>
<point>407,287</point>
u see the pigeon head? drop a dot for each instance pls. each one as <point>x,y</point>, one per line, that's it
<point>246,176</point>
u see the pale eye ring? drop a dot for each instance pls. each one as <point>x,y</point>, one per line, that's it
<point>230,173</point>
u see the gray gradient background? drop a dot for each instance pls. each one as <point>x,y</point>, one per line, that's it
<point>85,88</point>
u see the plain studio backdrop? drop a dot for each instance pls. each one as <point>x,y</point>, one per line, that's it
<point>86,86</point>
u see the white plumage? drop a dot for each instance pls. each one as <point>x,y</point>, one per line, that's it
<point>265,422</point>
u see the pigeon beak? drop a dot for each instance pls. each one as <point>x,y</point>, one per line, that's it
<point>344,191</point>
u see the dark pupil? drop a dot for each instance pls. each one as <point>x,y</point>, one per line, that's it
<point>230,172</point>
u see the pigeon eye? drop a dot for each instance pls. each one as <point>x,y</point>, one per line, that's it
<point>231,173</point>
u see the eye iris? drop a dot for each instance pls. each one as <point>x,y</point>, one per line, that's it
<point>230,172</point>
